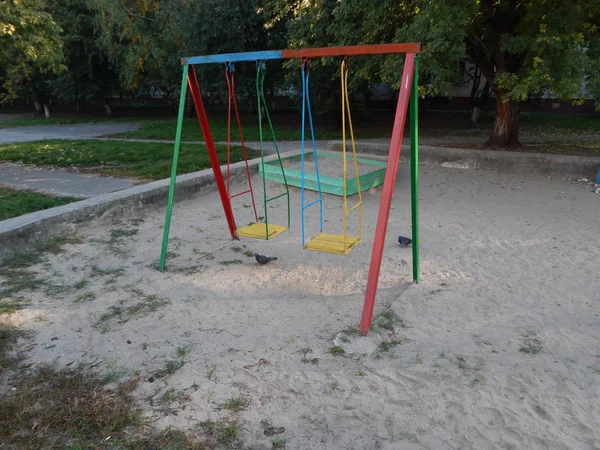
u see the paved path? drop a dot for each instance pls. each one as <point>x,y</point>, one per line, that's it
<point>62,182</point>
<point>59,182</point>
<point>73,131</point>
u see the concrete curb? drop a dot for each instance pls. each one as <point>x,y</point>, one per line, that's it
<point>516,162</point>
<point>19,232</point>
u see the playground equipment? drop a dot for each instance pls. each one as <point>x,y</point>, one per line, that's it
<point>408,92</point>
<point>231,100</point>
<point>324,242</point>
<point>264,230</point>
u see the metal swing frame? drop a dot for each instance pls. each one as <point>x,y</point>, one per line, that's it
<point>408,93</point>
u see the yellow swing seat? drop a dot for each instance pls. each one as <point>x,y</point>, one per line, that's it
<point>341,244</point>
<point>259,230</point>
<point>332,243</point>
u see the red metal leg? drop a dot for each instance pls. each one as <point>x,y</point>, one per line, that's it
<point>212,151</point>
<point>387,193</point>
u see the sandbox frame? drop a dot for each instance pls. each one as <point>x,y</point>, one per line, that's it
<point>329,184</point>
<point>408,94</point>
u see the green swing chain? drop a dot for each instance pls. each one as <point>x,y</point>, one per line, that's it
<point>262,102</point>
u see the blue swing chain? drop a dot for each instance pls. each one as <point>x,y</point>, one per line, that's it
<point>305,68</point>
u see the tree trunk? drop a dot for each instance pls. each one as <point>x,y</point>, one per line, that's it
<point>506,123</point>
<point>46,111</point>
<point>474,116</point>
<point>108,109</point>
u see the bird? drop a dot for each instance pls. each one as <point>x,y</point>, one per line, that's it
<point>264,259</point>
<point>404,241</point>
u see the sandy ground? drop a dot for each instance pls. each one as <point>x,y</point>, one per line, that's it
<point>332,167</point>
<point>498,347</point>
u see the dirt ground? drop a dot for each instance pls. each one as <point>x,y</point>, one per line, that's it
<point>498,347</point>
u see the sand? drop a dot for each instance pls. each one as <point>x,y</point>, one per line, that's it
<point>510,265</point>
<point>332,167</point>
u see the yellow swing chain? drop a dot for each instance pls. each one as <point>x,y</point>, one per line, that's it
<point>346,110</point>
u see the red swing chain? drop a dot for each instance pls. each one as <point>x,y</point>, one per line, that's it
<point>230,77</point>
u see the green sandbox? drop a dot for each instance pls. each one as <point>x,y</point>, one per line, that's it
<point>329,184</point>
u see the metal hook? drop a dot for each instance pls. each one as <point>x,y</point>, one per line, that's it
<point>306,62</point>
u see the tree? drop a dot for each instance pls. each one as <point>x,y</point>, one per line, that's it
<point>89,74</point>
<point>524,48</point>
<point>30,47</point>
<point>145,40</point>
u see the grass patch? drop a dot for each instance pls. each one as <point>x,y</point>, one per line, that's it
<point>169,439</point>
<point>72,409</point>
<point>85,297</point>
<point>279,443</point>
<point>540,124</point>
<point>37,252</point>
<point>172,396</point>
<point>146,160</point>
<point>8,336</point>
<point>111,274</point>
<point>305,358</point>
<point>16,277</point>
<point>18,280</point>
<point>287,128</point>
<point>118,239</point>
<point>335,386</point>
<point>211,374</point>
<point>170,368</point>
<point>81,284</point>
<point>183,351</point>
<point>336,350</point>
<point>118,233</point>
<point>461,362</point>
<point>39,120</point>
<point>15,203</point>
<point>388,320</point>
<point>231,262</point>
<point>478,380</point>
<point>386,346</point>
<point>120,313</point>
<point>64,409</point>
<point>12,305</point>
<point>225,434</point>
<point>313,361</point>
<point>76,410</point>
<point>235,404</point>
<point>531,344</point>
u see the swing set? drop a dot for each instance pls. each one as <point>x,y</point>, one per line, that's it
<point>261,227</point>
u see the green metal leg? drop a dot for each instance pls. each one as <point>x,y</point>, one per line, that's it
<point>414,170</point>
<point>165,242</point>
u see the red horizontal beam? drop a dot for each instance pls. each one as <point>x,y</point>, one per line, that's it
<point>354,50</point>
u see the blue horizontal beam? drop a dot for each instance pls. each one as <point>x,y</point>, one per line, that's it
<point>233,57</point>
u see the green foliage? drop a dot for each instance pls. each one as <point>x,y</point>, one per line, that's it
<point>146,40</point>
<point>143,160</point>
<point>15,203</point>
<point>89,74</point>
<point>30,46</point>
<point>524,49</point>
